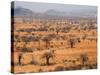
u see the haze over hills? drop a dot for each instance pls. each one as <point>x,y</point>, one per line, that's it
<point>52,13</point>
<point>22,12</point>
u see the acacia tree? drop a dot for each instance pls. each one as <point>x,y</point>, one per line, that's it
<point>57,31</point>
<point>38,38</point>
<point>84,37</point>
<point>25,39</point>
<point>16,39</point>
<point>47,39</point>
<point>20,56</point>
<point>83,58</point>
<point>71,42</point>
<point>35,38</point>
<point>25,49</point>
<point>78,40</point>
<point>47,56</point>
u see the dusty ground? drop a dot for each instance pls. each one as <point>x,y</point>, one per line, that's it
<point>64,55</point>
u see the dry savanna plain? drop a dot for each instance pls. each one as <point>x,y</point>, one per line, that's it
<point>54,45</point>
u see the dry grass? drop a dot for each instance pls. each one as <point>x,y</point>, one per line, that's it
<point>65,58</point>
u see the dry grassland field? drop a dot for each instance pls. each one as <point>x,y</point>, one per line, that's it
<point>53,43</point>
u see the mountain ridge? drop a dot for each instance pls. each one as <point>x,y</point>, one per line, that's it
<point>24,12</point>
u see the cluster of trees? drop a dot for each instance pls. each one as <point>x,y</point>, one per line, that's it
<point>61,25</point>
<point>83,58</point>
<point>71,41</point>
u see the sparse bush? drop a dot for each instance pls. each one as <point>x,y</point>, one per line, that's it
<point>47,40</point>
<point>24,49</point>
<point>75,67</point>
<point>83,58</point>
<point>84,37</point>
<point>78,67</point>
<point>71,42</point>
<point>91,66</point>
<point>40,70</point>
<point>59,68</point>
<point>33,61</point>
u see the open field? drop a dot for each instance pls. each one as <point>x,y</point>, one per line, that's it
<point>43,46</point>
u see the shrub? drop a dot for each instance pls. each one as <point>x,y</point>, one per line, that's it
<point>24,49</point>
<point>84,58</point>
<point>77,67</point>
<point>33,61</point>
<point>60,68</point>
<point>40,70</point>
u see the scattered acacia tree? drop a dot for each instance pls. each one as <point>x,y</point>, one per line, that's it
<point>16,42</point>
<point>47,40</point>
<point>84,36</point>
<point>52,35</point>
<point>47,56</point>
<point>16,39</point>
<point>78,40</point>
<point>57,31</point>
<point>33,60</point>
<point>25,49</point>
<point>25,39</point>
<point>38,38</point>
<point>74,62</point>
<point>29,30</point>
<point>83,58</point>
<point>71,42</point>
<point>20,56</point>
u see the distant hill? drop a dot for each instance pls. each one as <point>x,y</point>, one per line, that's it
<point>22,12</point>
<point>73,13</point>
<point>53,14</point>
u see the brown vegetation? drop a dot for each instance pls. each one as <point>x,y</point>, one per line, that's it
<point>56,45</point>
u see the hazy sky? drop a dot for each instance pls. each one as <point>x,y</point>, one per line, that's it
<point>42,7</point>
